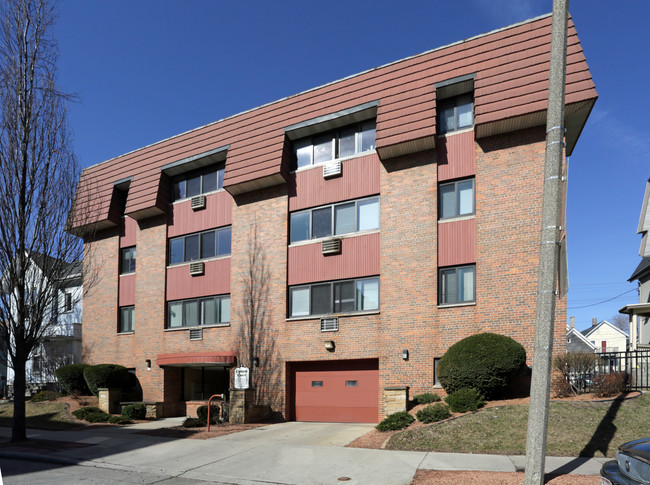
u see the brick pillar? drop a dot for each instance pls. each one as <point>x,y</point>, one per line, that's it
<point>241,401</point>
<point>109,400</point>
<point>396,399</point>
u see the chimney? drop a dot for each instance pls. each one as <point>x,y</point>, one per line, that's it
<point>572,323</point>
<point>594,322</point>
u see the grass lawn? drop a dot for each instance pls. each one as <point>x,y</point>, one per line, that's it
<point>41,415</point>
<point>593,429</point>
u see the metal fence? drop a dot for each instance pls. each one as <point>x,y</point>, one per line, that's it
<point>636,364</point>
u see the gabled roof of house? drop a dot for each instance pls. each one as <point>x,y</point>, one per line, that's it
<point>641,269</point>
<point>644,223</point>
<point>572,332</point>
<point>588,331</point>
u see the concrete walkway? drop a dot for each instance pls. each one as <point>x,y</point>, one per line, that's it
<point>285,453</point>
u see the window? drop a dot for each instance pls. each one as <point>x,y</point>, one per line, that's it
<point>126,319</point>
<point>436,381</point>
<point>337,219</point>
<point>457,285</point>
<point>202,245</point>
<point>334,297</point>
<point>198,182</point>
<point>127,260</point>
<point>455,113</point>
<point>213,310</point>
<point>456,199</point>
<point>341,143</point>
<point>67,302</point>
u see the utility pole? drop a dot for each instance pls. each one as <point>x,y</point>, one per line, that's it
<point>549,252</point>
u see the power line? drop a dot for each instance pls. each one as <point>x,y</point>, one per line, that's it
<point>604,301</point>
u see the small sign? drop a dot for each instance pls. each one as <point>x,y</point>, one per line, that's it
<point>242,378</point>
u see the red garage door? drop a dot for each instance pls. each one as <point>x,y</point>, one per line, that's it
<point>345,391</point>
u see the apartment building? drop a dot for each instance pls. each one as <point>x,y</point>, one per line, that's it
<point>337,241</point>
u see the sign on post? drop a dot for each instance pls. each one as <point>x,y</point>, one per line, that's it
<point>242,378</point>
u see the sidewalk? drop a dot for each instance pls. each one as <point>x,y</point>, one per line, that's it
<point>280,453</point>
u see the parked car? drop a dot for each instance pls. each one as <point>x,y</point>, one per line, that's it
<point>631,467</point>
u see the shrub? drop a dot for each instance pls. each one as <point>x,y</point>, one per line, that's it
<point>606,385</point>
<point>71,379</point>
<point>433,413</point>
<point>91,414</point>
<point>119,420</point>
<point>202,413</point>
<point>193,423</point>
<point>426,398</point>
<point>45,396</point>
<point>395,421</point>
<point>106,375</point>
<point>464,400</point>
<point>487,362</point>
<point>134,411</point>
<point>577,368</point>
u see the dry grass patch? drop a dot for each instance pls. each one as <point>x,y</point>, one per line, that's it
<point>49,415</point>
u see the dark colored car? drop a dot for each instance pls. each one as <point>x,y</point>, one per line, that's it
<point>631,467</point>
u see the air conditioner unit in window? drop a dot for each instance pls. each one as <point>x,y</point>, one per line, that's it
<point>198,202</point>
<point>331,246</point>
<point>196,334</point>
<point>197,269</point>
<point>331,169</point>
<point>329,324</point>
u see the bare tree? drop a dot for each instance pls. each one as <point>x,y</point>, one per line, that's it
<point>256,338</point>
<point>621,321</point>
<point>38,174</point>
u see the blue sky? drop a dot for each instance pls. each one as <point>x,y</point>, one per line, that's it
<point>147,70</point>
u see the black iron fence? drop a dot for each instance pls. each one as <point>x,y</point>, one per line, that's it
<point>636,364</point>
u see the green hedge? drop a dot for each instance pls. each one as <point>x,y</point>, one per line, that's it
<point>107,375</point>
<point>91,414</point>
<point>134,411</point>
<point>71,379</point>
<point>45,396</point>
<point>433,413</point>
<point>395,421</point>
<point>487,362</point>
<point>202,414</point>
<point>464,400</point>
<point>426,398</point>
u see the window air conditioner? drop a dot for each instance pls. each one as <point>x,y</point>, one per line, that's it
<point>196,334</point>
<point>331,169</point>
<point>198,202</point>
<point>331,246</point>
<point>329,324</point>
<point>197,269</point>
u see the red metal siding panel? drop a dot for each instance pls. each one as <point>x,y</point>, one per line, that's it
<point>457,242</point>
<point>456,156</point>
<point>360,178</point>
<point>128,232</point>
<point>126,296</point>
<point>359,257</point>
<point>215,281</point>
<point>183,220</point>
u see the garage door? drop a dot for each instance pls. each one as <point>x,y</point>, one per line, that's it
<point>344,391</point>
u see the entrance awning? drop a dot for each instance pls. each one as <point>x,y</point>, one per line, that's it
<point>197,358</point>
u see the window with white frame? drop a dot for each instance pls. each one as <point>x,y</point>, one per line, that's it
<point>126,323</point>
<point>67,302</point>
<point>348,296</point>
<point>341,143</point>
<point>457,285</point>
<point>335,219</point>
<point>455,113</point>
<point>213,310</point>
<point>201,245</point>
<point>198,182</point>
<point>456,199</point>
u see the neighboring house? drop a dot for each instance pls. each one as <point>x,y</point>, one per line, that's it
<point>576,342</point>
<point>640,312</point>
<point>397,211</point>
<point>62,345</point>
<point>606,337</point>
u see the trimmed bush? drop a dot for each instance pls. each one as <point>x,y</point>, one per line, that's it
<point>118,419</point>
<point>433,413</point>
<point>426,398</point>
<point>134,412</point>
<point>464,400</point>
<point>193,423</point>
<point>606,385</point>
<point>487,362</point>
<point>106,375</point>
<point>45,396</point>
<point>395,421</point>
<point>91,414</point>
<point>71,379</point>
<point>202,413</point>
